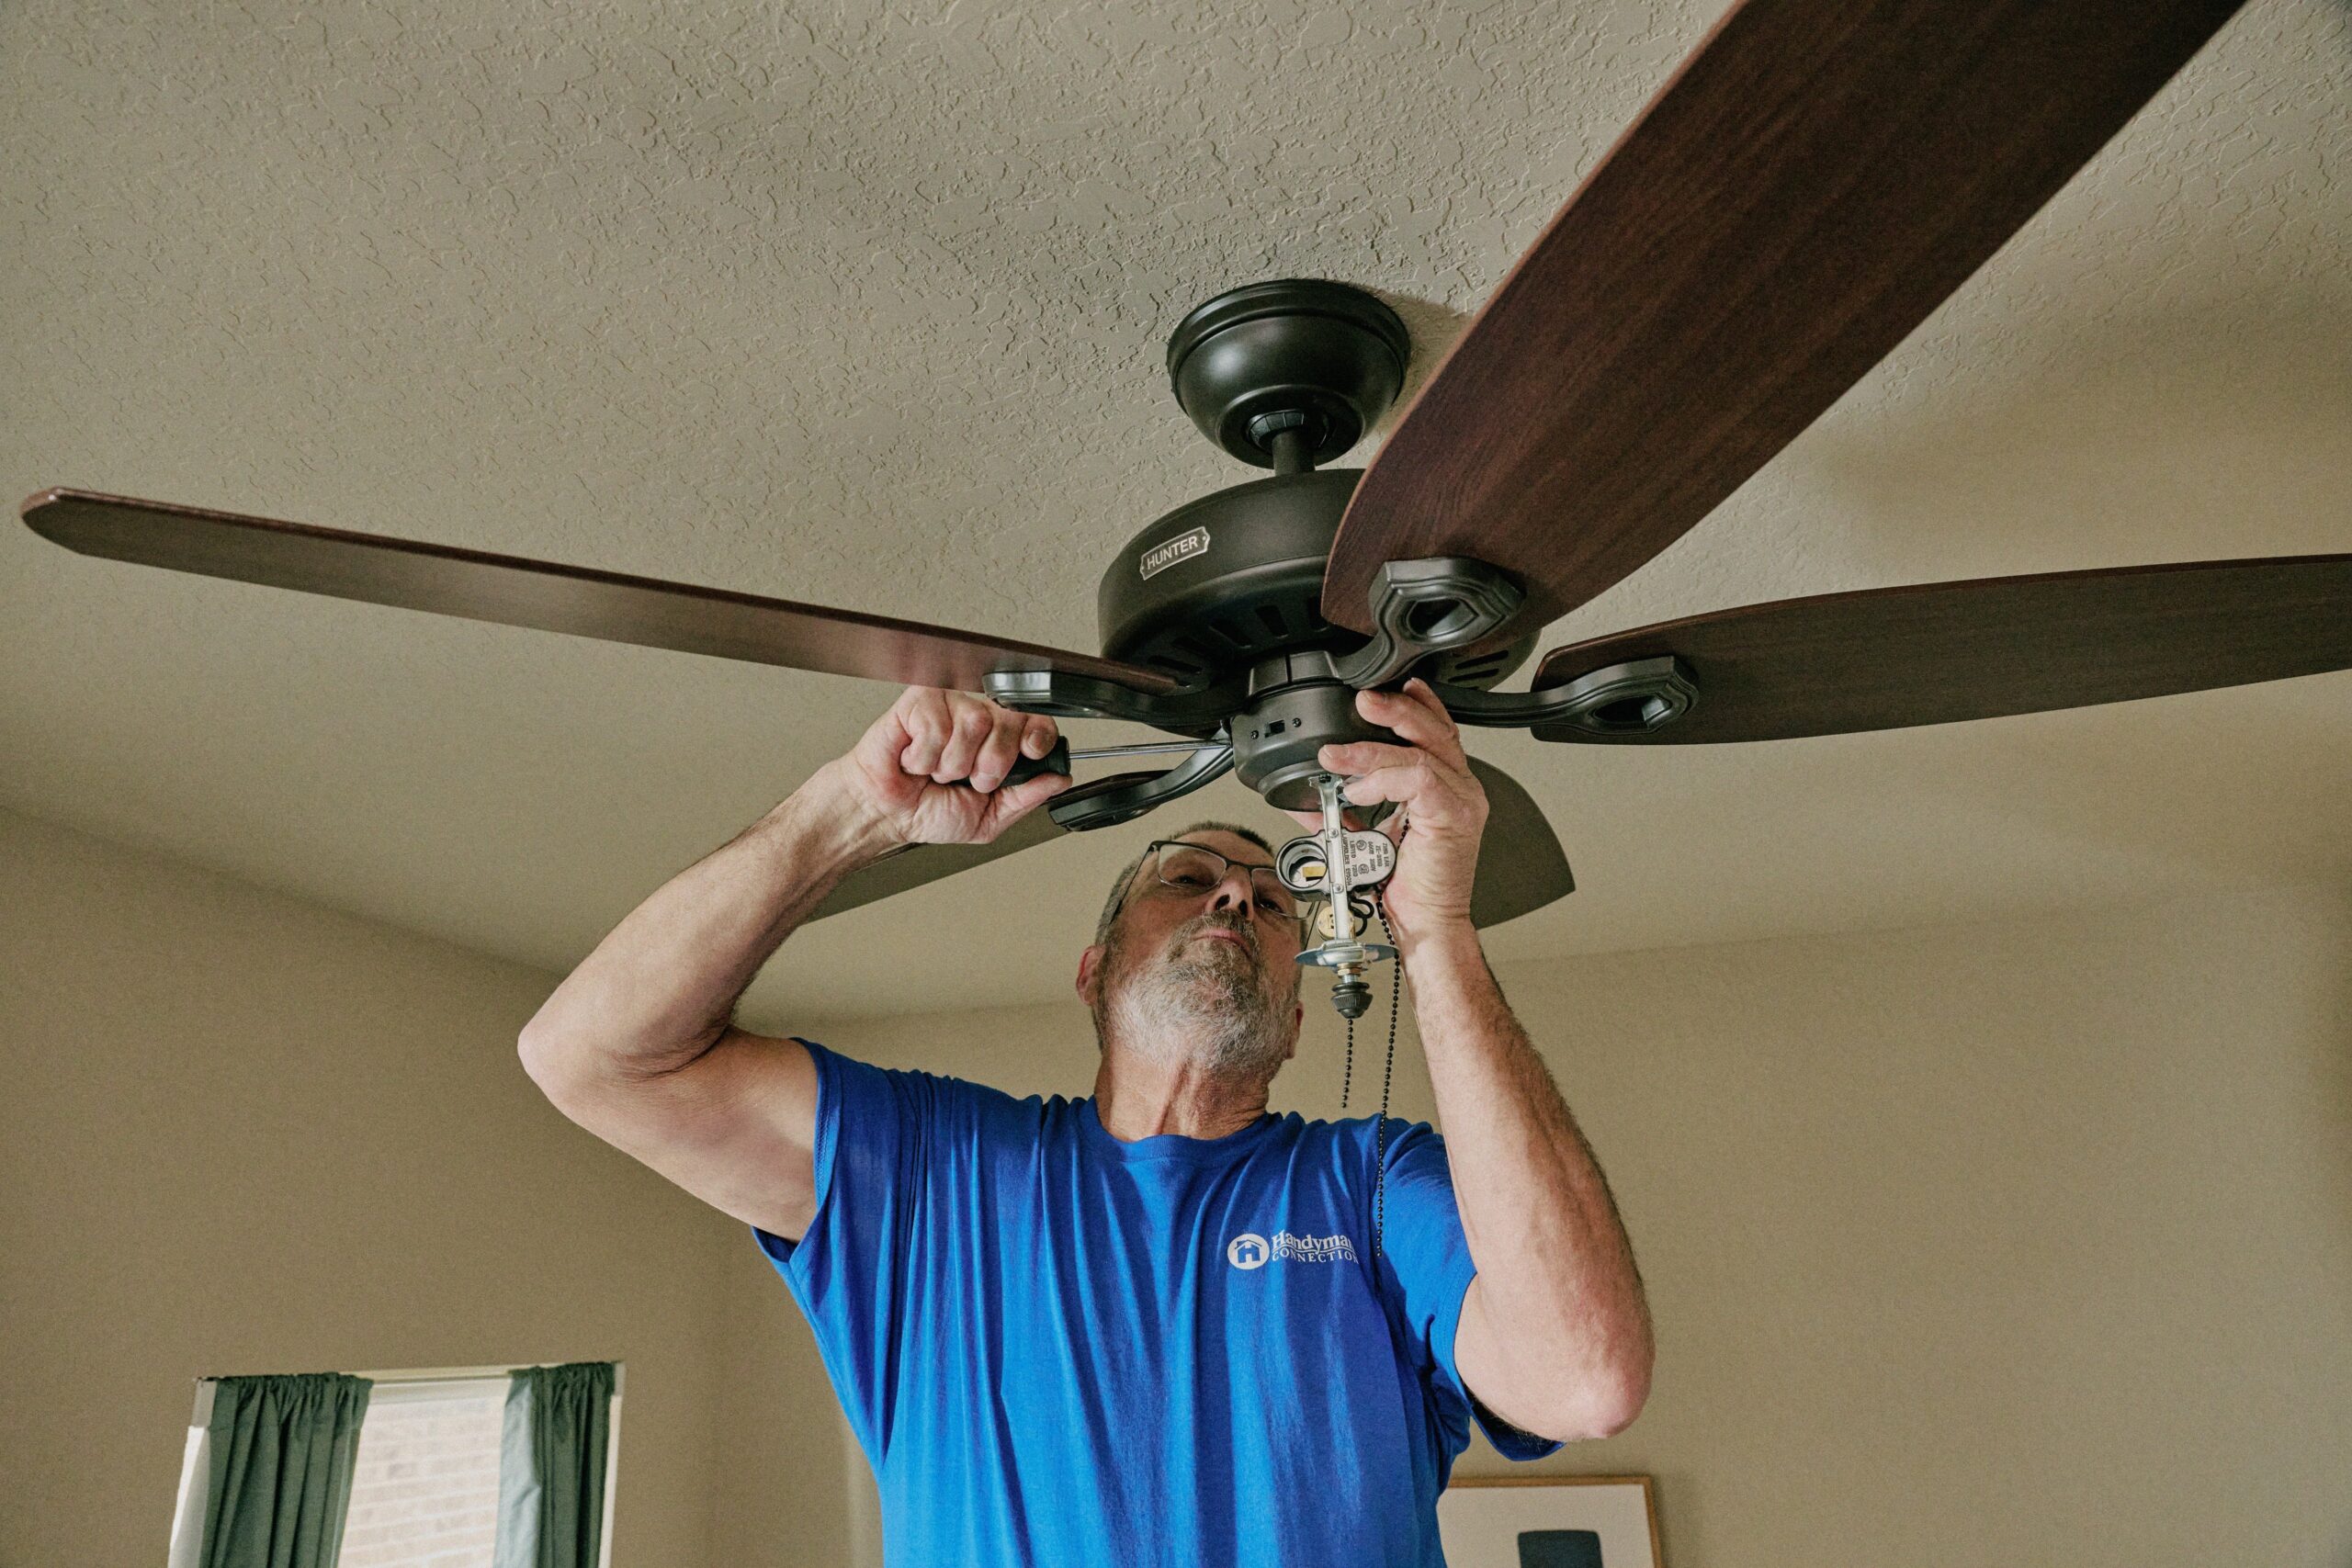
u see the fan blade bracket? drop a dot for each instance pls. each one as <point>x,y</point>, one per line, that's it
<point>1067,693</point>
<point>1106,803</point>
<point>1440,605</point>
<point>1619,702</point>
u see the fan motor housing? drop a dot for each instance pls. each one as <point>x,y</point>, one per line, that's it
<point>1225,581</point>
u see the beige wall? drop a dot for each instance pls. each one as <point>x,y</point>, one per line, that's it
<point>2027,1243</point>
<point>781,1492</point>
<point>1982,1245</point>
<point>239,1134</point>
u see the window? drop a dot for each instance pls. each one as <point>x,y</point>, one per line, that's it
<point>425,1481</point>
<point>425,1493</point>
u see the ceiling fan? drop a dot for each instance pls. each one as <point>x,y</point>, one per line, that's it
<point>1814,179</point>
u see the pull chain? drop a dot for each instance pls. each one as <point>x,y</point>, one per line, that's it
<point>1348,1069</point>
<point>1380,1143</point>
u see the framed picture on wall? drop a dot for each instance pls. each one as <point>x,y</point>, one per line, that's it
<point>1578,1521</point>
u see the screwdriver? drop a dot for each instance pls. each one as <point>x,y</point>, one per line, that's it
<point>1059,759</point>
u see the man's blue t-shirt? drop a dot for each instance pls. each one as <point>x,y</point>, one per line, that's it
<point>1060,1348</point>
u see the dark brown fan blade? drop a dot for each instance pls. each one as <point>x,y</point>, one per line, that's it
<point>1891,657</point>
<point>1520,864</point>
<point>919,864</point>
<point>514,592</point>
<point>1814,181</point>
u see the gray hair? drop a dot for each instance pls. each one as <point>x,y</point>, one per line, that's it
<point>1120,889</point>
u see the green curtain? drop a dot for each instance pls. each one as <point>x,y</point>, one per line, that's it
<point>279,1484</point>
<point>551,1466</point>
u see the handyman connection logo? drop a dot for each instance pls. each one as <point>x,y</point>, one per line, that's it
<point>1250,1250</point>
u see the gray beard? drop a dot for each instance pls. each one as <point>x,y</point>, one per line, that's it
<point>1211,1008</point>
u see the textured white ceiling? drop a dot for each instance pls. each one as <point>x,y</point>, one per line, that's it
<point>868,307</point>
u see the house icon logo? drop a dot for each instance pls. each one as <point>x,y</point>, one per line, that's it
<point>1247,1250</point>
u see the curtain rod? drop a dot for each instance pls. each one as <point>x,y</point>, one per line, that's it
<point>432,1374</point>
<point>439,1374</point>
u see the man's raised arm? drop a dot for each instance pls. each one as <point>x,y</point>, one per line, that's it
<point>1555,1336</point>
<point>639,1046</point>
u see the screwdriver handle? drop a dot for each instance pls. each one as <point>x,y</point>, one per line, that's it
<point>1053,762</point>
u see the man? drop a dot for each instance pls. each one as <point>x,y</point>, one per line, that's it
<point>1152,1325</point>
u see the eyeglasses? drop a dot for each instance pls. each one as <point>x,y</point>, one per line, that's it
<point>1191,868</point>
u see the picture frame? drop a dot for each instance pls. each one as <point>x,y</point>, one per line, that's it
<point>1562,1521</point>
